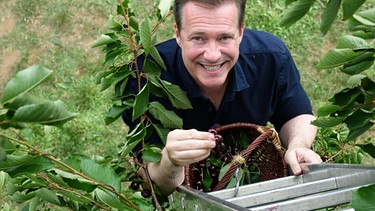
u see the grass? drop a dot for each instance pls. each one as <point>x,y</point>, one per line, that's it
<point>59,33</point>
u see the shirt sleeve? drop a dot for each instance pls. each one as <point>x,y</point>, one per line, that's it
<point>292,98</point>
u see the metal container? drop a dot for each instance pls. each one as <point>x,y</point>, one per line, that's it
<point>320,186</point>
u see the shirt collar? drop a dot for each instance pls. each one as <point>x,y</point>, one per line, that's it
<point>237,82</point>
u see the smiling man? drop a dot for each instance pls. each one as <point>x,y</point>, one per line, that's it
<point>231,74</point>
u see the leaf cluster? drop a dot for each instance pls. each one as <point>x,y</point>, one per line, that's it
<point>78,182</point>
<point>36,179</point>
<point>131,54</point>
<point>353,107</point>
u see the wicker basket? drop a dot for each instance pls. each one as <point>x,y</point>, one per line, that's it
<point>239,145</point>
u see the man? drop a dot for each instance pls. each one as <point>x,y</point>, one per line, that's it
<point>231,74</point>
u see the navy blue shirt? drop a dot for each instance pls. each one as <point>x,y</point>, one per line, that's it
<point>264,86</point>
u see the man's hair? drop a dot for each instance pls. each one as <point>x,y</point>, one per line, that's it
<point>179,5</point>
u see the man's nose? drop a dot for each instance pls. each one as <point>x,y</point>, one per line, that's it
<point>212,52</point>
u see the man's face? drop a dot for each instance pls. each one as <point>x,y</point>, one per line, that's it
<point>209,39</point>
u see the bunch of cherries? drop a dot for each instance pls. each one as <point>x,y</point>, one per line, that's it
<point>209,169</point>
<point>135,185</point>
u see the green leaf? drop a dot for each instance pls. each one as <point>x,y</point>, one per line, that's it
<point>151,154</point>
<point>350,6</point>
<point>151,69</point>
<point>355,80</point>
<point>56,178</point>
<point>368,14</point>
<point>354,133</point>
<point>358,119</point>
<point>20,197</point>
<point>106,82</point>
<point>3,154</point>
<point>48,113</point>
<point>232,182</point>
<point>368,148</point>
<point>207,180</point>
<point>113,24</point>
<point>363,198</point>
<point>145,35</point>
<point>3,180</point>
<point>164,7</point>
<point>101,173</point>
<point>24,81</point>
<point>364,20</point>
<point>116,111</point>
<point>368,85</point>
<point>337,57</point>
<point>329,15</point>
<point>133,138</point>
<point>156,56</point>
<point>7,145</point>
<point>328,121</point>
<point>346,96</point>
<point>176,95</point>
<point>102,40</point>
<point>328,110</point>
<point>48,195</point>
<point>168,119</point>
<point>68,177</point>
<point>353,42</point>
<point>73,197</point>
<point>81,184</point>
<point>223,170</point>
<point>15,160</point>
<point>359,67</point>
<point>141,102</point>
<point>24,99</point>
<point>16,165</point>
<point>162,132</point>
<point>110,199</point>
<point>299,9</point>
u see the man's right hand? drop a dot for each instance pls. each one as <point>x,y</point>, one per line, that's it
<point>184,147</point>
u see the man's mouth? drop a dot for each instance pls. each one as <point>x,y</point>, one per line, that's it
<point>212,68</point>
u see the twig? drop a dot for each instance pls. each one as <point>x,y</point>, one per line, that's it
<point>58,187</point>
<point>70,169</point>
<point>157,204</point>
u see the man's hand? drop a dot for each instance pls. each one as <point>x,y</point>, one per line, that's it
<point>184,147</point>
<point>295,156</point>
<point>298,135</point>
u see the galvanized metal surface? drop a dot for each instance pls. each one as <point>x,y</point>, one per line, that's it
<point>320,186</point>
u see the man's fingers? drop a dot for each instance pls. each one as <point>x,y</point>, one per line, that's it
<point>191,156</point>
<point>296,168</point>
<point>191,134</point>
<point>294,157</point>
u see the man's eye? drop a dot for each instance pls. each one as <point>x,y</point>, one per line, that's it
<point>226,38</point>
<point>198,38</point>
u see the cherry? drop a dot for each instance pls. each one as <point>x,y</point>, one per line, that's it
<point>134,185</point>
<point>146,193</point>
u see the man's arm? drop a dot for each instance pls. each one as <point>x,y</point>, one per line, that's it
<point>298,135</point>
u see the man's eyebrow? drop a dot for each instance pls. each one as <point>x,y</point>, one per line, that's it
<point>230,34</point>
<point>197,33</point>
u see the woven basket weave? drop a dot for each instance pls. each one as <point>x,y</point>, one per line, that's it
<point>263,150</point>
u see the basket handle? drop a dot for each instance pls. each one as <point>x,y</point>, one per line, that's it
<point>236,163</point>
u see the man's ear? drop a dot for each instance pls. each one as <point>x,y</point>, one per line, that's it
<point>241,32</point>
<point>177,34</point>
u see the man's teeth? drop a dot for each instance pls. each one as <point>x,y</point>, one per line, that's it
<point>212,68</point>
